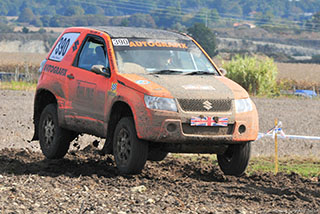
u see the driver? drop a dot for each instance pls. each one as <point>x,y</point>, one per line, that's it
<point>164,59</point>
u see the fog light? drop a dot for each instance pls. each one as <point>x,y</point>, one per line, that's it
<point>242,129</point>
<point>171,127</point>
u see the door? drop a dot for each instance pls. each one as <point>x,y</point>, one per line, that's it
<point>87,90</point>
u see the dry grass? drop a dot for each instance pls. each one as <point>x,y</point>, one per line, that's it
<point>21,62</point>
<point>9,59</point>
<point>299,72</point>
<point>302,76</point>
<point>35,29</point>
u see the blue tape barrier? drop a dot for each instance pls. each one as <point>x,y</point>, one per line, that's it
<point>280,134</point>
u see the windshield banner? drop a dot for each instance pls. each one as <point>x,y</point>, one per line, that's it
<point>147,43</point>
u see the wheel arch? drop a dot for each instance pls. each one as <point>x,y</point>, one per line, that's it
<point>119,110</point>
<point>43,98</point>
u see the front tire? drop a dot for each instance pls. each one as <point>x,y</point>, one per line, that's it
<point>54,141</point>
<point>235,160</point>
<point>129,152</point>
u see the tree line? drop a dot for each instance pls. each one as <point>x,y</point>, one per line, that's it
<point>160,13</point>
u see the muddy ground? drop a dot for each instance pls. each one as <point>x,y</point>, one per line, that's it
<point>85,182</point>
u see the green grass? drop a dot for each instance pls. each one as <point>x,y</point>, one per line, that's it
<point>18,86</point>
<point>306,167</point>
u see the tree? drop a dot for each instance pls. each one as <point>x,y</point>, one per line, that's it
<point>45,21</point>
<point>26,15</point>
<point>179,27</point>
<point>4,28</point>
<point>316,21</point>
<point>214,15</point>
<point>36,22</point>
<point>205,37</point>
<point>74,11</point>
<point>264,18</point>
<point>25,30</point>
<point>141,20</point>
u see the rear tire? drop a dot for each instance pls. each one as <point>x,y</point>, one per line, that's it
<point>235,160</point>
<point>54,141</point>
<point>129,152</point>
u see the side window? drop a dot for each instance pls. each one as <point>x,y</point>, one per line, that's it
<point>92,53</point>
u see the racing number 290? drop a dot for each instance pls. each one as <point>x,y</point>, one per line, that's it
<point>62,46</point>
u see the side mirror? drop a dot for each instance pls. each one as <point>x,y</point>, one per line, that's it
<point>101,70</point>
<point>223,71</point>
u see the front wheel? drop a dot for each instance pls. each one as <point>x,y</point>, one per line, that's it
<point>235,160</point>
<point>129,152</point>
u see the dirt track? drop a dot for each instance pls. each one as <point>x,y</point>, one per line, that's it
<point>84,182</point>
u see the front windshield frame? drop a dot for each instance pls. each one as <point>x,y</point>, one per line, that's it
<point>136,55</point>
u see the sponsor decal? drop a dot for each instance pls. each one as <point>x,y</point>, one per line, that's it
<point>113,90</point>
<point>75,47</point>
<point>120,42</point>
<point>209,121</point>
<point>141,43</point>
<point>63,46</point>
<point>85,90</point>
<point>55,69</point>
<point>199,87</point>
<point>143,82</point>
<point>159,44</point>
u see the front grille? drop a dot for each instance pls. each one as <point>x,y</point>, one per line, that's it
<point>201,105</point>
<point>207,130</point>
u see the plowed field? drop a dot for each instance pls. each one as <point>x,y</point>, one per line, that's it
<point>85,182</point>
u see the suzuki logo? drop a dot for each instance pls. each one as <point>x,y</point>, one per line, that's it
<point>207,105</point>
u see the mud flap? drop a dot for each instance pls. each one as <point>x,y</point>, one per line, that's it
<point>107,148</point>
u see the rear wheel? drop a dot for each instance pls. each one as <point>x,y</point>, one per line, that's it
<point>54,141</point>
<point>235,160</point>
<point>129,152</point>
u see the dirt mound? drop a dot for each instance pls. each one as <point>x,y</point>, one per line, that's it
<point>85,182</point>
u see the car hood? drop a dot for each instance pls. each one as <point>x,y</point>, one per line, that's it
<point>186,86</point>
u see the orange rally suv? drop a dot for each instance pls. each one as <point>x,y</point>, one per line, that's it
<point>148,92</point>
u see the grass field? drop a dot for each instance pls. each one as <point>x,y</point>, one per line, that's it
<point>306,167</point>
<point>305,75</point>
<point>18,85</point>
<point>21,58</point>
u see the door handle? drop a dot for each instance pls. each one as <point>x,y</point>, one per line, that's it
<point>70,76</point>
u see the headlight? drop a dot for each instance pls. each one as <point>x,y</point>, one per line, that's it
<point>243,105</point>
<point>160,103</point>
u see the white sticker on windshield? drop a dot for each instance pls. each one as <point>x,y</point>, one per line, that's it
<point>199,87</point>
<point>120,42</point>
<point>63,46</point>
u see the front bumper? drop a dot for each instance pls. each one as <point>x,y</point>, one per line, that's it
<point>173,127</point>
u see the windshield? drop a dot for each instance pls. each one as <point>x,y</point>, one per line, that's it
<point>161,56</point>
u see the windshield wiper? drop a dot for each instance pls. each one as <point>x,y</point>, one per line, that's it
<point>167,71</point>
<point>201,73</point>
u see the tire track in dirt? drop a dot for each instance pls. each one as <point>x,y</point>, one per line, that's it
<point>84,182</point>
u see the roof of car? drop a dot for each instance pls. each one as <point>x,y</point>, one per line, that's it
<point>133,32</point>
